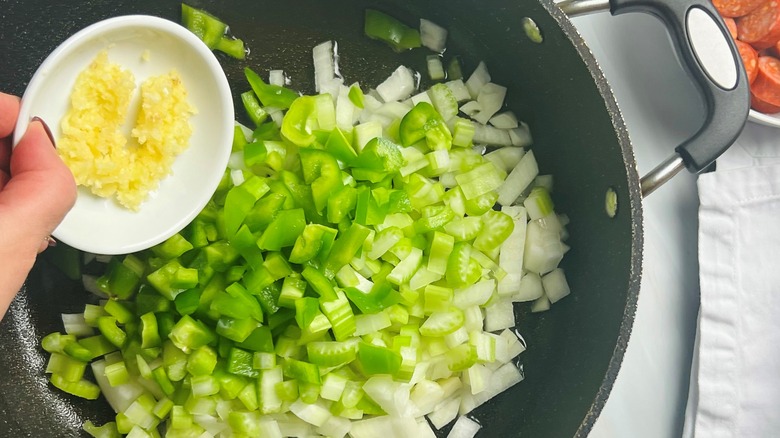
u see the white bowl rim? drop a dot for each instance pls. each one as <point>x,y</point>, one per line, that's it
<point>221,83</point>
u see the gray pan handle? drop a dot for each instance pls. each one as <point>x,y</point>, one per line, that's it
<point>710,56</point>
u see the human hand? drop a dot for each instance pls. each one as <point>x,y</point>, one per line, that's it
<point>36,191</point>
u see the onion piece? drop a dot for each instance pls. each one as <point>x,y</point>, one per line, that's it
<point>432,35</point>
<point>464,427</point>
<point>435,67</point>
<point>491,99</point>
<point>555,285</point>
<point>445,412</point>
<point>76,325</point>
<point>276,77</point>
<point>459,90</point>
<point>399,85</point>
<point>504,120</point>
<point>478,79</point>
<point>518,179</point>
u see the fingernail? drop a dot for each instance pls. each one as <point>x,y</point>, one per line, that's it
<point>48,242</point>
<point>46,128</point>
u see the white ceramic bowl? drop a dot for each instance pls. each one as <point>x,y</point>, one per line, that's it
<point>764,119</point>
<point>100,225</point>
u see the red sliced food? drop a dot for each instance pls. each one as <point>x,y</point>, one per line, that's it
<point>736,8</point>
<point>749,59</point>
<point>761,28</point>
<point>766,86</point>
<point>763,106</point>
<point>732,26</point>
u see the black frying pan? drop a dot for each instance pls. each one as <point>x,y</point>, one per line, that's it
<point>574,350</point>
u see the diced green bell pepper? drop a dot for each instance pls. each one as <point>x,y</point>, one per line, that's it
<point>385,28</point>
<point>270,95</point>
<point>377,360</point>
<point>283,230</point>
<point>321,171</point>
<point>424,122</point>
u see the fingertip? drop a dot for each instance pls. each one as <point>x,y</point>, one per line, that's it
<point>36,153</point>
<point>9,112</point>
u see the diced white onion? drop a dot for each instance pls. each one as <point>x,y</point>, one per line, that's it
<point>237,176</point>
<point>543,248</point>
<point>324,69</point>
<point>499,315</point>
<point>345,110</point>
<point>75,325</point>
<point>459,90</point>
<point>477,294</point>
<point>398,86</point>
<point>120,397</point>
<point>505,159</point>
<point>314,413</point>
<point>555,285</point>
<point>391,396</point>
<point>421,97</point>
<point>518,180</point>
<point>521,136</point>
<point>542,304</point>
<point>385,426</point>
<point>504,120</point>
<point>503,378</point>
<point>471,108</point>
<point>530,288</point>
<point>91,286</point>
<point>478,79</point>
<point>490,135</point>
<point>426,394</point>
<point>464,427</point>
<point>432,35</point>
<point>491,99</point>
<point>276,77</point>
<point>445,412</point>
<point>334,427</point>
<point>435,67</point>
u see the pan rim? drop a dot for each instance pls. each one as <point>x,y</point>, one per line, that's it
<point>635,209</point>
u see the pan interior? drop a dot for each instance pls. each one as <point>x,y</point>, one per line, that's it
<point>574,350</point>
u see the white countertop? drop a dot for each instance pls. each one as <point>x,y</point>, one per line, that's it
<point>661,109</point>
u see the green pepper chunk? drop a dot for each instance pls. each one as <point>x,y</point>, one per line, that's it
<point>239,362</point>
<point>283,231</point>
<point>378,360</point>
<point>309,243</point>
<point>340,146</point>
<point>300,122</point>
<point>236,329</point>
<point>380,155</point>
<point>321,171</point>
<point>381,296</point>
<point>345,247</point>
<point>423,122</point>
<point>204,25</point>
<point>190,334</point>
<point>240,200</point>
<point>397,35</point>
<point>259,340</point>
<point>302,371</point>
<point>341,204</point>
<point>270,95</point>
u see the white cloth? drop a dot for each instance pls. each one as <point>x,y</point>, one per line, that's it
<point>735,377</point>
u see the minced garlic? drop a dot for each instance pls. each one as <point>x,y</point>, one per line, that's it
<point>96,150</point>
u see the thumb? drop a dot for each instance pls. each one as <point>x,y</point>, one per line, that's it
<point>41,189</point>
